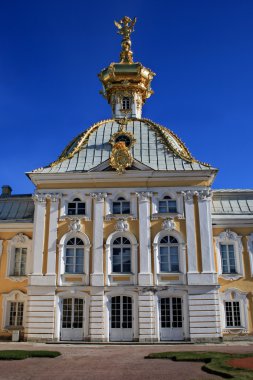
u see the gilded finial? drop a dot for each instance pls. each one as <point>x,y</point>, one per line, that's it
<point>125,28</point>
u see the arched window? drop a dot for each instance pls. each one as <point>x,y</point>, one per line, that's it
<point>74,256</point>
<point>167,205</point>
<point>121,206</point>
<point>126,103</point>
<point>169,254</point>
<point>76,207</point>
<point>121,255</point>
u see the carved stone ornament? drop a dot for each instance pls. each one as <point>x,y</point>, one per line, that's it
<point>168,224</point>
<point>20,238</point>
<point>98,196</point>
<point>204,195</point>
<point>228,235</point>
<point>75,225</point>
<point>42,197</point>
<point>122,225</point>
<point>188,195</point>
<point>144,196</point>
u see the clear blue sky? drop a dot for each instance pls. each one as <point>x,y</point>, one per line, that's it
<point>201,51</point>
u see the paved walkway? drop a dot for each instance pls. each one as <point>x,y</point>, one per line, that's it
<point>99,362</point>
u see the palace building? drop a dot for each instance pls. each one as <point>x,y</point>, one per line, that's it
<point>124,239</point>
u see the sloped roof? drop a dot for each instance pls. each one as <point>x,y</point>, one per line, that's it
<point>156,147</point>
<point>232,202</point>
<point>16,208</point>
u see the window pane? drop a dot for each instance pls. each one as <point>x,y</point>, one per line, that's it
<point>71,208</point>
<point>172,206</point>
<point>125,207</point>
<point>162,206</point>
<point>116,208</point>
<point>81,208</point>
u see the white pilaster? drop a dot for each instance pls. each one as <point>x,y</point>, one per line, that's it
<point>96,320</point>
<point>147,322</point>
<point>97,276</point>
<point>206,234</point>
<point>51,258</point>
<point>38,233</point>
<point>145,276</point>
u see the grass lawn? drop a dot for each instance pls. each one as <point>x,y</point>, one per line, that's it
<point>216,363</point>
<point>21,354</point>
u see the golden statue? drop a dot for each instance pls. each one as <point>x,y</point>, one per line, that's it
<point>125,28</point>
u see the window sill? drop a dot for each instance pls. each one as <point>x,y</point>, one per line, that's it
<point>119,216</point>
<point>235,330</point>
<point>170,277</point>
<point>230,276</point>
<point>122,278</point>
<point>17,278</point>
<point>166,215</point>
<point>71,217</point>
<point>73,278</point>
<point>12,328</point>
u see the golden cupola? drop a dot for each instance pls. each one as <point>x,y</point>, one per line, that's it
<point>126,85</point>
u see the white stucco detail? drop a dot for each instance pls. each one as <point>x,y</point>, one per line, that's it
<point>250,250</point>
<point>38,233</point>
<point>18,241</point>
<point>53,223</point>
<point>230,237</point>
<point>191,232</point>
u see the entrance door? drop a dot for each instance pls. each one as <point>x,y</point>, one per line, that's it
<point>171,319</point>
<point>72,319</point>
<point>121,324</point>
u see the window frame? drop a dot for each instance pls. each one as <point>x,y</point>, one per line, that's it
<point>13,296</point>
<point>167,199</point>
<point>68,198</point>
<point>121,200</point>
<point>19,241</point>
<point>74,247</point>
<point>169,277</point>
<point>121,247</point>
<point>121,278</point>
<point>174,196</point>
<point>126,103</point>
<point>72,279</point>
<point>168,245</point>
<point>234,295</point>
<point>229,237</point>
<point>77,202</point>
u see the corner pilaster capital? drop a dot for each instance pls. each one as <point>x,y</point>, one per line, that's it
<point>204,195</point>
<point>39,198</point>
<point>188,195</point>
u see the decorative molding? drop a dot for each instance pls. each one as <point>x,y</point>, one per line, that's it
<point>168,224</point>
<point>250,250</point>
<point>42,197</point>
<point>74,224</point>
<point>188,195</point>
<point>121,225</point>
<point>98,196</point>
<point>230,237</point>
<point>20,238</point>
<point>144,196</point>
<point>204,195</point>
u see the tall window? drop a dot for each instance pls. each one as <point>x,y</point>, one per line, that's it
<point>76,207</point>
<point>19,267</point>
<point>232,311</point>
<point>126,103</point>
<point>228,258</point>
<point>168,252</point>
<point>121,206</point>
<point>121,255</point>
<point>16,314</point>
<point>167,205</point>
<point>74,256</point>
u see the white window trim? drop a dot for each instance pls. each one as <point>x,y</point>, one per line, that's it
<point>250,250</point>
<point>18,241</point>
<point>62,276</point>
<point>134,257</point>
<point>174,197</point>
<point>113,198</point>
<point>230,237</point>
<point>72,294</point>
<point>66,199</point>
<point>1,248</point>
<point>182,258</point>
<point>14,296</point>
<point>231,295</point>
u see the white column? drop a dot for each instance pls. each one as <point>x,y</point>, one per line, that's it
<point>53,223</point>
<point>206,234</point>
<point>38,233</point>
<point>145,276</point>
<point>97,276</point>
<point>190,232</point>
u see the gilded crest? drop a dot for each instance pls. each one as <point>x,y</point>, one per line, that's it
<point>121,157</point>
